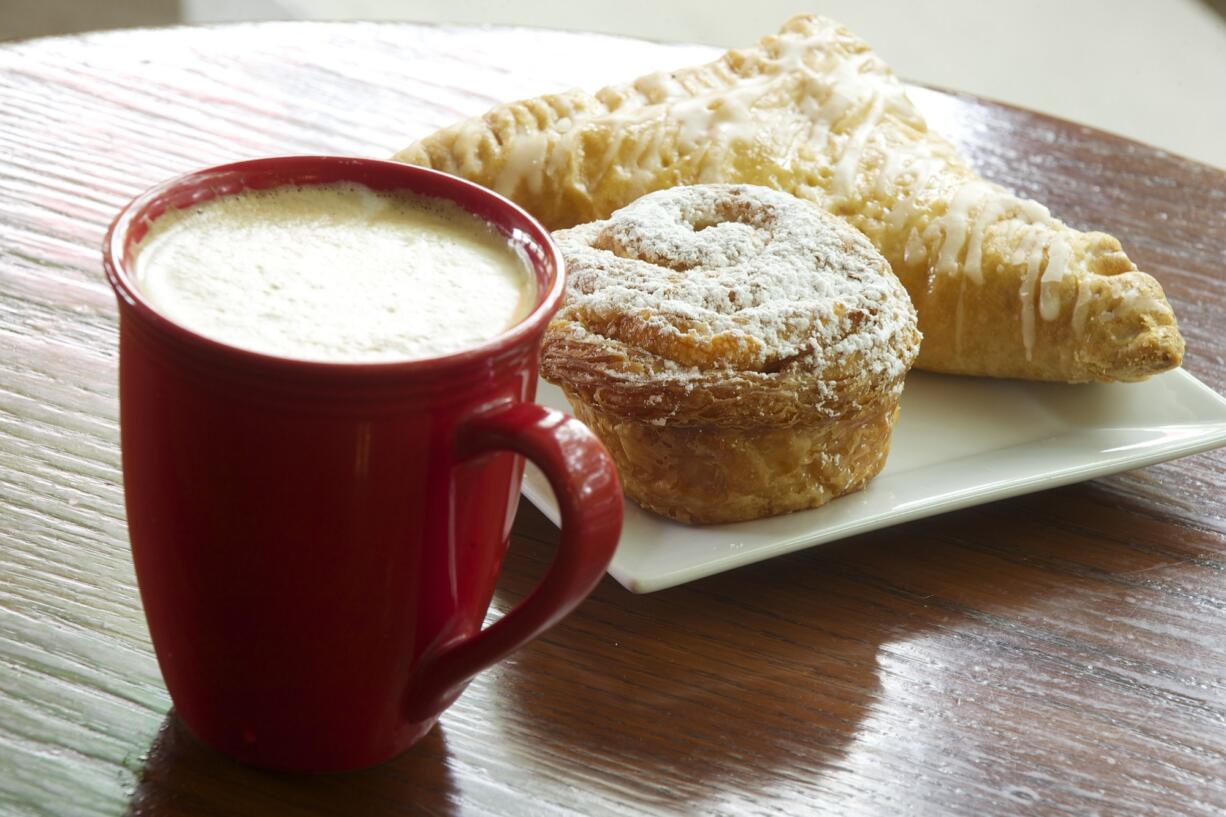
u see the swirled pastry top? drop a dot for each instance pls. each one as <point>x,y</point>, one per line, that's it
<point>692,299</point>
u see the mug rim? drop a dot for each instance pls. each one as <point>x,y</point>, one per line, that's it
<point>234,177</point>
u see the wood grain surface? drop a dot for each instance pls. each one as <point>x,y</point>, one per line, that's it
<point>1061,653</point>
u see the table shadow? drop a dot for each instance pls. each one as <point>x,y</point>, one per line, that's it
<point>761,677</point>
<point>183,777</point>
<point>680,707</point>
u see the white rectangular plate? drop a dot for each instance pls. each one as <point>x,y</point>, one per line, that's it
<point>960,441</point>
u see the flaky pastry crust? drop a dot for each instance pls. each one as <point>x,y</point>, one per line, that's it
<point>1001,287</point>
<point>739,351</point>
<point>701,475</point>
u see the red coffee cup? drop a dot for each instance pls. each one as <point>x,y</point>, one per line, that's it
<point>317,544</point>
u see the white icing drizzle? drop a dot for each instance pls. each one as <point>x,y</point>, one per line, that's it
<point>867,86</point>
<point>525,160</point>
<point>1081,309</point>
<point>893,166</point>
<point>853,151</point>
<point>904,209</point>
<point>974,207</point>
<point>1034,212</point>
<point>995,208</point>
<point>1030,252</point>
<point>659,86</point>
<point>467,145</point>
<point>1053,276</point>
<point>915,251</point>
<point>952,227</point>
<point>708,121</point>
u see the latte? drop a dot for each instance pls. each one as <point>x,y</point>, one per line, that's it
<point>334,272</point>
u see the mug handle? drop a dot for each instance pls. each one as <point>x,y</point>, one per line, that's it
<point>589,496</point>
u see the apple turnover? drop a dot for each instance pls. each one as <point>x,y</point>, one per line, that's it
<point>740,352</point>
<point>1000,286</point>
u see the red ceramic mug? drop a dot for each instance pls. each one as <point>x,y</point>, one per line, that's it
<point>317,544</point>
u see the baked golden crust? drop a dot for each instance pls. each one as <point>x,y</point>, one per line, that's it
<point>729,343</point>
<point>701,475</point>
<point>1001,288</point>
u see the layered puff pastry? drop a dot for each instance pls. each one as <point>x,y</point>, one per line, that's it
<point>1001,287</point>
<point>740,352</point>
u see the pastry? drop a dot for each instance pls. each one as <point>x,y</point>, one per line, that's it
<point>1001,287</point>
<point>740,352</point>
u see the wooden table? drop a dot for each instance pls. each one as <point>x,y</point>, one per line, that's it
<point>1061,653</point>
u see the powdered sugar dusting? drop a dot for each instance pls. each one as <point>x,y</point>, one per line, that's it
<point>739,277</point>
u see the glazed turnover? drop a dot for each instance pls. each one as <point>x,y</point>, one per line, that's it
<point>739,351</point>
<point>1001,287</point>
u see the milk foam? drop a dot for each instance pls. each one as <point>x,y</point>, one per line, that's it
<point>335,272</point>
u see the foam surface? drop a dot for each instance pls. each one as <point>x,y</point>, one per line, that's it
<point>334,272</point>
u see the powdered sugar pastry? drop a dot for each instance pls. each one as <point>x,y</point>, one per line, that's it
<point>713,281</point>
